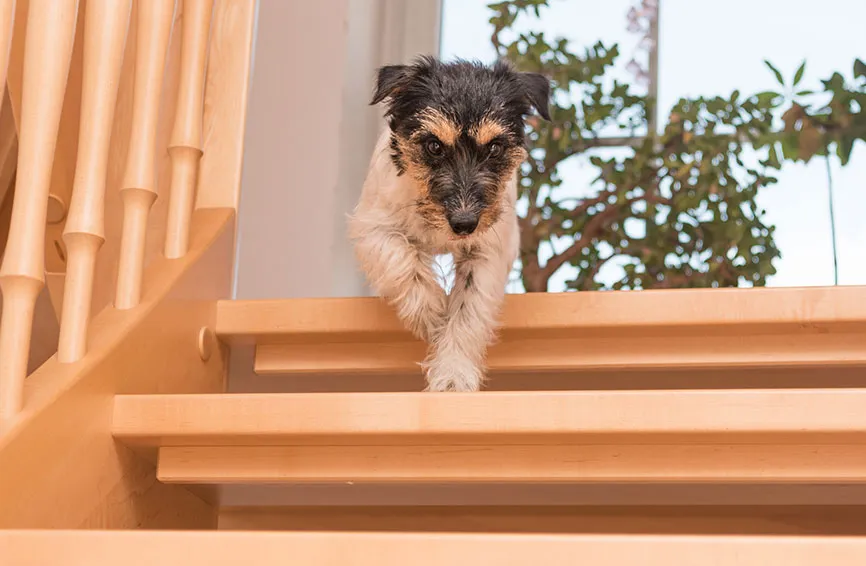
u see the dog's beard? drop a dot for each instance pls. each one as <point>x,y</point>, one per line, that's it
<point>437,207</point>
<point>462,186</point>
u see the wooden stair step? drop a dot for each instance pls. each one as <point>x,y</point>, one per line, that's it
<point>215,548</point>
<point>577,332</point>
<point>748,436</point>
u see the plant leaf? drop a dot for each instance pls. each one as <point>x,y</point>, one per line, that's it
<point>798,76</point>
<point>775,72</point>
<point>844,148</point>
<point>859,68</point>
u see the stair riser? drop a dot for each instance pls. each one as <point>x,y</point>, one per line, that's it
<point>757,464</point>
<point>679,352</point>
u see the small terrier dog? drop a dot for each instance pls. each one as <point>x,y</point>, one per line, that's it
<point>443,180</point>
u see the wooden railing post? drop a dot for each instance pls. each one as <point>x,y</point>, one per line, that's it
<point>47,53</point>
<point>7,24</point>
<point>185,146</point>
<point>138,189</point>
<point>105,28</point>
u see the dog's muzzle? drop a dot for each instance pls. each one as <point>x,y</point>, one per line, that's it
<point>463,223</point>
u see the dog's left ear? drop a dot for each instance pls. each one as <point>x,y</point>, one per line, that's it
<point>536,88</point>
<point>389,80</point>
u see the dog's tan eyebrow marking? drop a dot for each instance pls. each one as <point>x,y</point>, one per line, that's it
<point>439,125</point>
<point>486,130</point>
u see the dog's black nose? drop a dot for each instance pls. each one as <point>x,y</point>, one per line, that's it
<point>463,223</point>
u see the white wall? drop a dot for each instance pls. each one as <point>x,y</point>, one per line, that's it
<point>309,135</point>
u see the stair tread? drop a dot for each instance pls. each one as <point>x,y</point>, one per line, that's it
<point>834,414</point>
<point>719,437</point>
<point>133,548</point>
<point>273,321</point>
<point>575,332</point>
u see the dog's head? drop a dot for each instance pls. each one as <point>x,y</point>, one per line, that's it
<point>458,132</point>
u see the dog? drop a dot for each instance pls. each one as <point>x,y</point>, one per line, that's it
<point>443,179</point>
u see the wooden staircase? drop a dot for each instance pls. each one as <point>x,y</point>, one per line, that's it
<point>810,430</point>
<point>645,469</point>
<point>178,426</point>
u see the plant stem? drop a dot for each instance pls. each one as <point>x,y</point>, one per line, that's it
<point>832,220</point>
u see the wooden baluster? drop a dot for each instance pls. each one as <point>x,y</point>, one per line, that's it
<point>7,21</point>
<point>138,190</point>
<point>9,396</point>
<point>47,54</point>
<point>185,146</point>
<point>105,26</point>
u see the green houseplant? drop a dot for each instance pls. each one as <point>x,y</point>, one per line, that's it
<point>679,209</point>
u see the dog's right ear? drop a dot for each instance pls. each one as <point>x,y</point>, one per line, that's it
<point>389,80</point>
<point>537,89</point>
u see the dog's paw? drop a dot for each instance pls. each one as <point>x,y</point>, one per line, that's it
<point>452,374</point>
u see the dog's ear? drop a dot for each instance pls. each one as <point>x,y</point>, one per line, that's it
<point>389,80</point>
<point>536,88</point>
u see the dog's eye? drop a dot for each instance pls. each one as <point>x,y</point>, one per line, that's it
<point>495,150</point>
<point>433,147</point>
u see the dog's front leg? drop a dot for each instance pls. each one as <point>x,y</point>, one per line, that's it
<point>402,273</point>
<point>459,348</point>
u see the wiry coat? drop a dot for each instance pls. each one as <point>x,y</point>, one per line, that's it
<point>443,180</point>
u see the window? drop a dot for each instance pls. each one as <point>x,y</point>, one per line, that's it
<point>712,49</point>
